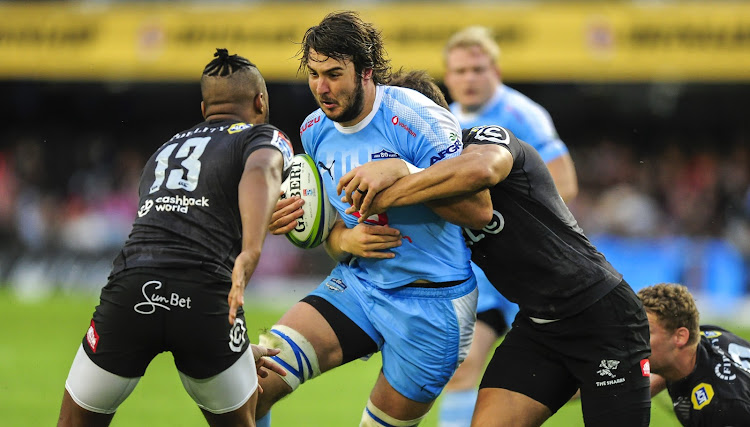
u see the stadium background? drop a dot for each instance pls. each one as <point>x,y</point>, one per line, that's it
<point>651,98</point>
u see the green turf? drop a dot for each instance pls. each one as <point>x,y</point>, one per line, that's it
<point>38,342</point>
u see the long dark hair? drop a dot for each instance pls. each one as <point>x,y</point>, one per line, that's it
<point>344,36</point>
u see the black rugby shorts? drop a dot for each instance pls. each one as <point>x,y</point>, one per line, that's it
<point>603,351</point>
<point>145,311</point>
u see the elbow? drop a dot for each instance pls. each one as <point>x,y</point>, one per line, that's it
<point>480,219</point>
<point>482,177</point>
<point>494,169</point>
<point>569,192</point>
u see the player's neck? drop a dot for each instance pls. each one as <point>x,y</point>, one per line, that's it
<point>367,105</point>
<point>684,365</point>
<point>233,117</point>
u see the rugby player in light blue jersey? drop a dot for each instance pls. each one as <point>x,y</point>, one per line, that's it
<point>412,295</point>
<point>473,80</point>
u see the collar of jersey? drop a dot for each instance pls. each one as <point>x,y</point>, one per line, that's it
<point>470,117</point>
<point>366,121</point>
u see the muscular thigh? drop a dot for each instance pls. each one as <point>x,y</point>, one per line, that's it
<point>427,333</point>
<point>334,318</point>
<point>614,377</point>
<point>522,365</point>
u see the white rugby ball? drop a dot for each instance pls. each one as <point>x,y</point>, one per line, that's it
<point>304,180</point>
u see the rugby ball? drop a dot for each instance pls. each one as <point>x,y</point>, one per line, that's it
<point>304,180</point>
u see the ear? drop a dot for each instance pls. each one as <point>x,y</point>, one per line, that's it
<point>203,109</point>
<point>681,336</point>
<point>260,106</point>
<point>499,72</point>
<point>367,74</point>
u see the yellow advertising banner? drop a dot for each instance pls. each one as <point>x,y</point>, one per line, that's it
<point>633,41</point>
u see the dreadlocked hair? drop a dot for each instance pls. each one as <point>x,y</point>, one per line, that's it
<point>225,64</point>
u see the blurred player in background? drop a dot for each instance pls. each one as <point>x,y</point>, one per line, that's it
<point>580,325</point>
<point>414,297</point>
<point>705,368</point>
<point>206,197</point>
<point>473,80</point>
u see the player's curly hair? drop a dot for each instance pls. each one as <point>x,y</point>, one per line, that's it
<point>674,306</point>
<point>422,82</point>
<point>344,36</point>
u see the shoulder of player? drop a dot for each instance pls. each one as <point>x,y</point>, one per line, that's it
<point>713,332</point>
<point>400,99</point>
<point>525,109</point>
<point>417,115</point>
<point>491,134</point>
<point>312,123</point>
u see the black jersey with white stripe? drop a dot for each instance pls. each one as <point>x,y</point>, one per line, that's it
<point>188,212</point>
<point>533,251</point>
<point>717,392</point>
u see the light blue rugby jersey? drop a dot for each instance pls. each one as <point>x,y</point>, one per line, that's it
<point>403,124</point>
<point>529,121</point>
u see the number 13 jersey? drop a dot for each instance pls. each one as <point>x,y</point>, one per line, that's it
<point>188,214</point>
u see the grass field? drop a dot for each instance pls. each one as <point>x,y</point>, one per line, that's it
<point>38,341</point>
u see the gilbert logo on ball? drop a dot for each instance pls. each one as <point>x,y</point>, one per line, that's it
<point>304,181</point>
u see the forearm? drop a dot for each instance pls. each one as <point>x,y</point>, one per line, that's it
<point>472,211</point>
<point>257,196</point>
<point>333,244</point>
<point>458,176</point>
<point>658,384</point>
<point>563,173</point>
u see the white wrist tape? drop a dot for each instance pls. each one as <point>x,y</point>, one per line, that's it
<point>411,167</point>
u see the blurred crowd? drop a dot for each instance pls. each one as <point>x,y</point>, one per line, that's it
<point>87,203</point>
<point>698,190</point>
<point>73,192</point>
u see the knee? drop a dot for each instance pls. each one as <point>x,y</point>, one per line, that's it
<point>298,358</point>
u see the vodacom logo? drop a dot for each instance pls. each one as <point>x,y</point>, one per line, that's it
<point>395,122</point>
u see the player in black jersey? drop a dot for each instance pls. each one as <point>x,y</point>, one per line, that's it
<point>705,369</point>
<point>206,198</point>
<point>580,324</point>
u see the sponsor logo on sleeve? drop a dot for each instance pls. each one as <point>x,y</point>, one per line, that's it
<point>711,334</point>
<point>453,148</point>
<point>702,395</point>
<point>308,124</point>
<point>645,368</point>
<point>238,127</point>
<point>281,142</point>
<point>92,337</point>
<point>493,134</point>
<point>336,285</point>
<point>397,122</point>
